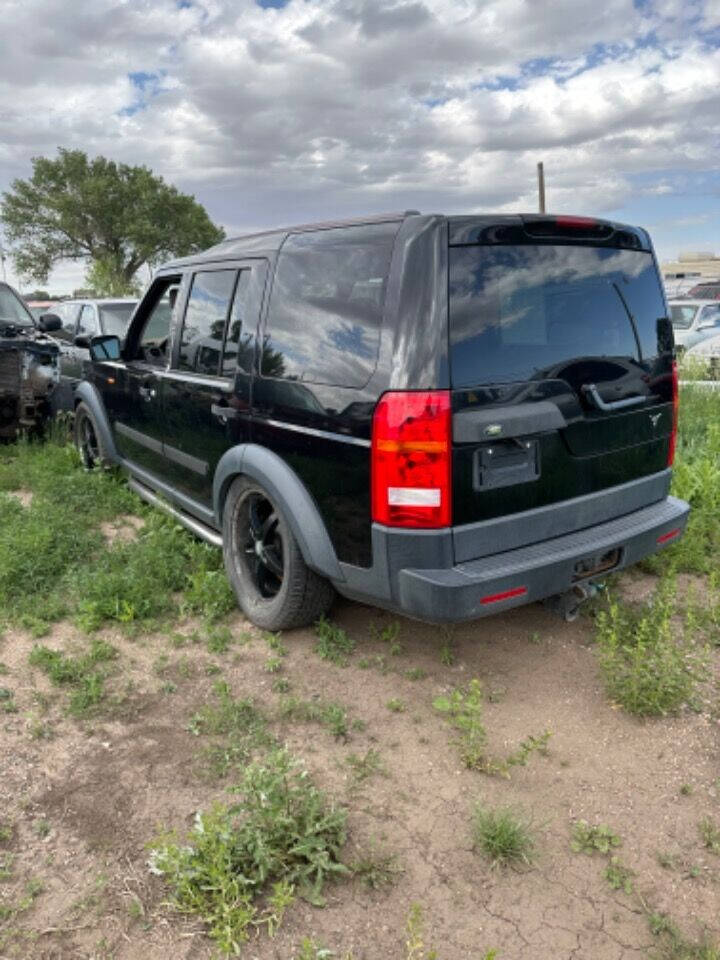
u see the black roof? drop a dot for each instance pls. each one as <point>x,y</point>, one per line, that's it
<point>267,241</point>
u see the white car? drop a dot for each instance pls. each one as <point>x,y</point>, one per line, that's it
<point>706,350</point>
<point>694,321</point>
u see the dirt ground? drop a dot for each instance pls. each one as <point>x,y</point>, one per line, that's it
<point>85,797</point>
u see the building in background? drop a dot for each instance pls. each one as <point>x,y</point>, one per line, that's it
<point>691,267</point>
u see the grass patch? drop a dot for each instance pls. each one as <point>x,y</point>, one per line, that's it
<point>376,871</point>
<point>84,674</point>
<point>710,835</point>
<point>332,643</point>
<point>243,864</point>
<point>503,836</point>
<point>239,723</point>
<point>696,478</point>
<point>672,945</point>
<point>366,766</point>
<point>333,716</point>
<point>649,664</point>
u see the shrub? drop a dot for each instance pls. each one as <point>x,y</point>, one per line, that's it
<point>242,865</point>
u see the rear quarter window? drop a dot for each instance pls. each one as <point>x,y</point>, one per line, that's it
<point>325,311</point>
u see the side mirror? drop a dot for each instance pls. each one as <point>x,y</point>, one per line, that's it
<point>49,322</point>
<point>102,348</point>
<point>81,340</point>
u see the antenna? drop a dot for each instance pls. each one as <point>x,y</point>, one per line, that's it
<point>541,186</point>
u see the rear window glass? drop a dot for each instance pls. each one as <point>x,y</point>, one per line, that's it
<point>523,312</point>
<point>326,305</point>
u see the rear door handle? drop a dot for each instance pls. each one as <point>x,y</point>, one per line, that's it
<point>224,413</point>
<point>147,393</point>
<point>590,390</point>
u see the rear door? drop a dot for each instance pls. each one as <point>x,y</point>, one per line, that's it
<point>561,367</point>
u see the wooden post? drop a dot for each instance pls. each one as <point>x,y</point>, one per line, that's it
<point>541,187</point>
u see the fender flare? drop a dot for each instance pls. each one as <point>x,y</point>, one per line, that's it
<point>291,495</point>
<point>91,397</point>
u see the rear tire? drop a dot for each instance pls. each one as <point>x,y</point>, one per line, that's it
<point>88,439</point>
<point>275,588</point>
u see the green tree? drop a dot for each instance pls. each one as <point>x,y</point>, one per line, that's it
<point>113,216</point>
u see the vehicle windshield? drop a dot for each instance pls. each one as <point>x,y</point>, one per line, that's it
<point>682,315</point>
<point>12,309</point>
<point>115,317</point>
<point>523,312</point>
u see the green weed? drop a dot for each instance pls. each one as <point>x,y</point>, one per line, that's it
<point>672,945</point>
<point>649,667</point>
<point>593,839</point>
<point>239,723</point>
<point>463,710</point>
<point>328,714</point>
<point>219,640</point>
<point>710,835</point>
<point>241,866</point>
<point>84,674</point>
<point>395,705</point>
<point>619,876</point>
<point>504,836</point>
<point>367,765</point>
<point>376,871</point>
<point>333,643</point>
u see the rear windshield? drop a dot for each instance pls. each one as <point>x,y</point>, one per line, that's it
<point>710,291</point>
<point>682,315</point>
<point>523,312</point>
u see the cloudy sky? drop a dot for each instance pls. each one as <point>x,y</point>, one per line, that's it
<point>279,111</point>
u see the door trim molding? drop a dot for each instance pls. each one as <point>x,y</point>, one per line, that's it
<point>142,438</point>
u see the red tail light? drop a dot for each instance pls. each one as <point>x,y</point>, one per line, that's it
<point>676,405</point>
<point>411,449</point>
<point>577,223</point>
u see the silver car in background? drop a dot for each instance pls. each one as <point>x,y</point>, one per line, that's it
<point>694,321</point>
<point>82,320</point>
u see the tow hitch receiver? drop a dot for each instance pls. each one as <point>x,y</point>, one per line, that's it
<point>567,605</point>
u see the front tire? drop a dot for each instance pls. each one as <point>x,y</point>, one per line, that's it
<point>275,588</point>
<point>88,439</point>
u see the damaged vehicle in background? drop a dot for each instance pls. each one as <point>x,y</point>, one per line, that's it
<point>28,365</point>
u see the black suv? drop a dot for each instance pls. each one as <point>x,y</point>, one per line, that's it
<point>442,416</point>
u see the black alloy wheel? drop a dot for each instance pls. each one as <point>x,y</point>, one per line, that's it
<point>263,545</point>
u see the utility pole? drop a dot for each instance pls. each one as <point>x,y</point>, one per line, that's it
<point>541,186</point>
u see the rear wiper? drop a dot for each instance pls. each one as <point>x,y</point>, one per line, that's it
<point>631,318</point>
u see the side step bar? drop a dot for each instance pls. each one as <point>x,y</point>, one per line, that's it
<point>190,523</point>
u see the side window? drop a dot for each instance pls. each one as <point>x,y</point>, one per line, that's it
<point>68,313</point>
<point>237,353</point>
<point>88,325</point>
<point>150,342</point>
<point>326,305</point>
<point>203,331</point>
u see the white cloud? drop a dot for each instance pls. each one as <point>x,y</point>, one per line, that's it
<point>333,107</point>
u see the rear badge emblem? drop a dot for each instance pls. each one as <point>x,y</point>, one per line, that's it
<point>655,419</point>
<point>493,430</point>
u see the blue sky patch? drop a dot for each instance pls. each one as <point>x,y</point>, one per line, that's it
<point>146,85</point>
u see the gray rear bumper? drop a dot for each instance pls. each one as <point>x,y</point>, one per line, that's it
<point>454,592</point>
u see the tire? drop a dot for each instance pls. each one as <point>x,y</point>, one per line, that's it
<point>275,588</point>
<point>88,439</point>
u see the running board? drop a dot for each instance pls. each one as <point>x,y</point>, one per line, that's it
<point>190,523</point>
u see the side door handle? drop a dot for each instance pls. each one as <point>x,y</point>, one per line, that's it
<point>147,393</point>
<point>223,412</point>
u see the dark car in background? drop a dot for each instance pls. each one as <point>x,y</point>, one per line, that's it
<point>442,416</point>
<point>82,319</point>
<point>28,365</point>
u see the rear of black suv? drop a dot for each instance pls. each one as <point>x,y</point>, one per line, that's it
<point>540,457</point>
